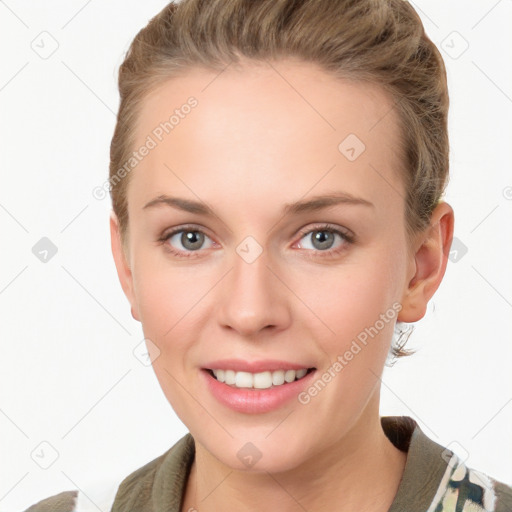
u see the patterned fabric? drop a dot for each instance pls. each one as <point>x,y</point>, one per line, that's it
<point>434,480</point>
<point>465,490</point>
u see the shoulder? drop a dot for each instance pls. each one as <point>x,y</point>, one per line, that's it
<point>463,487</point>
<point>160,481</point>
<point>99,495</point>
<point>93,496</point>
<point>435,479</point>
<point>138,484</point>
<point>134,489</point>
<point>62,502</point>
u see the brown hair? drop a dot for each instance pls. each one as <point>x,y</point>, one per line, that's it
<point>378,41</point>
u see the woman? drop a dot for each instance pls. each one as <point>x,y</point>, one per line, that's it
<point>277,173</point>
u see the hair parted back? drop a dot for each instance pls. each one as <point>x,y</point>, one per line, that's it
<point>378,41</point>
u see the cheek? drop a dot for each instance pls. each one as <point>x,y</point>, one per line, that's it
<point>173,305</point>
<point>352,296</point>
<point>358,313</point>
<point>357,304</point>
<point>163,294</point>
<point>169,305</point>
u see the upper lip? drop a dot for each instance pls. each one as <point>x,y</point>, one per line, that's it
<point>239,365</point>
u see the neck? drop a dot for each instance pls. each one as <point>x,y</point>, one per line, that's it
<point>362,471</point>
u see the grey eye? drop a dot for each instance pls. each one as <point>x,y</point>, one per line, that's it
<point>189,239</point>
<point>321,239</point>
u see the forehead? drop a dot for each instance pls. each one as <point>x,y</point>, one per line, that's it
<point>280,122</point>
<point>302,90</point>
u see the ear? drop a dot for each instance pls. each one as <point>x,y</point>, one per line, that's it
<point>122,265</point>
<point>431,251</point>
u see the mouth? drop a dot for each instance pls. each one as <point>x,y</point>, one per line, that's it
<point>261,380</point>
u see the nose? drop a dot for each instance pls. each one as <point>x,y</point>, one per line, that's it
<point>252,298</point>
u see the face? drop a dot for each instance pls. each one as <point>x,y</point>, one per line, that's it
<point>266,232</point>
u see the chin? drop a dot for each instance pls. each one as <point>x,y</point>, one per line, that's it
<point>252,454</point>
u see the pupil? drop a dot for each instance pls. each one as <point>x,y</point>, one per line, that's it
<point>192,240</point>
<point>324,239</point>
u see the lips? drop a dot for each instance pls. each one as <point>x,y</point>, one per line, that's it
<point>252,400</point>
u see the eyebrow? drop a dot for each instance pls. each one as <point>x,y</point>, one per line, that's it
<point>307,205</point>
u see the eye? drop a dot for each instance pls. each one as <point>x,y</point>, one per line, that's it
<point>324,238</point>
<point>185,240</point>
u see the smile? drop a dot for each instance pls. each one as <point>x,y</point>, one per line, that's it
<point>260,380</point>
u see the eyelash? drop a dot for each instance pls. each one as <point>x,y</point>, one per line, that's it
<point>347,238</point>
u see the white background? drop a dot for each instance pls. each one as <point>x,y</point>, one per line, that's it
<point>68,375</point>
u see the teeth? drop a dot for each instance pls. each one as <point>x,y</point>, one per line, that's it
<point>262,380</point>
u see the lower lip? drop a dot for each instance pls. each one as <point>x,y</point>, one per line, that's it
<point>256,401</point>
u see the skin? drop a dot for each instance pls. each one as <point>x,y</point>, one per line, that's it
<point>254,143</point>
